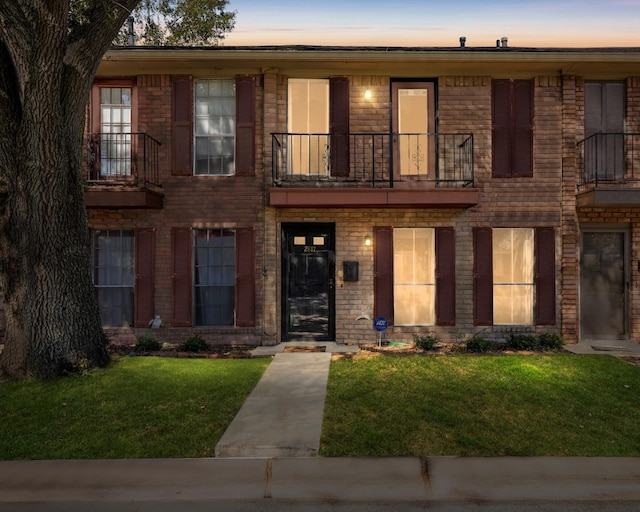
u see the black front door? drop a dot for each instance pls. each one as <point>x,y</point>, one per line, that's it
<point>308,274</point>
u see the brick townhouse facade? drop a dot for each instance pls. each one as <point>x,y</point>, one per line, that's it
<point>253,195</point>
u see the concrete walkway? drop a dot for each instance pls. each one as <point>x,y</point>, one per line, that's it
<point>605,347</point>
<point>282,417</point>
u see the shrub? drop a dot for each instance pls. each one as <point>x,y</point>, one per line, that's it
<point>425,341</point>
<point>522,342</point>
<point>550,341</point>
<point>478,344</point>
<point>193,344</point>
<point>147,344</point>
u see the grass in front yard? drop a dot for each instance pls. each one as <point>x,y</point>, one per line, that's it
<point>507,405</point>
<point>140,407</point>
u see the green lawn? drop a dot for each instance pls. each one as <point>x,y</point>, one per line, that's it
<point>507,405</point>
<point>142,407</point>
<point>137,408</point>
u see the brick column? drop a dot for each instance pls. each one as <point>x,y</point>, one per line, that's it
<point>270,295</point>
<point>570,273</point>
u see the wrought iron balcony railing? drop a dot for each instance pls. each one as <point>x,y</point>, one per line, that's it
<point>609,159</point>
<point>124,158</point>
<point>374,159</point>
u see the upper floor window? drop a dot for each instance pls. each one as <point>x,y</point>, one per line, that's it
<point>512,128</point>
<point>214,127</point>
<point>317,142</point>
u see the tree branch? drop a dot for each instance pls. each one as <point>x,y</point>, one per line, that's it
<point>87,42</point>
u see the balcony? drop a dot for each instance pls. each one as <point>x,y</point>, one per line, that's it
<point>122,171</point>
<point>609,167</point>
<point>384,170</point>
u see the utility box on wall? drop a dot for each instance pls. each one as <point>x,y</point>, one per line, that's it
<point>350,269</point>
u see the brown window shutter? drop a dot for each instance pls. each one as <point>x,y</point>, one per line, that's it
<point>383,272</point>
<point>482,277</point>
<point>245,126</point>
<point>245,277</point>
<point>339,125</point>
<point>500,128</point>
<point>182,286</point>
<point>445,276</point>
<point>144,294</point>
<point>182,126</point>
<point>545,276</point>
<point>522,134</point>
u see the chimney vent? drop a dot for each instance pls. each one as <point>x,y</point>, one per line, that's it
<point>504,41</point>
<point>463,41</point>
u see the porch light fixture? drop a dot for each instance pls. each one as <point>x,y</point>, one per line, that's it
<point>367,94</point>
<point>367,240</point>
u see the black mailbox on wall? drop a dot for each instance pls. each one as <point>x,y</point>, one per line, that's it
<point>350,270</point>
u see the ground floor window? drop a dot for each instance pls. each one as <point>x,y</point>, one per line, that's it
<point>513,276</point>
<point>113,275</point>
<point>214,260</point>
<point>414,276</point>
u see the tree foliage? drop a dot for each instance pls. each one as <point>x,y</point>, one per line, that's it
<point>180,23</point>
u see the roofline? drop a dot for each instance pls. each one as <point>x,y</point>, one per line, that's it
<point>295,52</point>
<point>399,61</point>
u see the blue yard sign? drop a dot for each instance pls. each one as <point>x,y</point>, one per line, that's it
<point>380,324</point>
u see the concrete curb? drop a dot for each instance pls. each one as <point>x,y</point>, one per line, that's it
<point>367,479</point>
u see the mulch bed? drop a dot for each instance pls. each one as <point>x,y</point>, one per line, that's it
<point>366,350</point>
<point>214,352</point>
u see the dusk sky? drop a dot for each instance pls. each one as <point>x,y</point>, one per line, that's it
<point>544,23</point>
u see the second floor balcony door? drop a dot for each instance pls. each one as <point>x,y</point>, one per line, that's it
<point>604,130</point>
<point>414,128</point>
<point>308,126</point>
<point>115,131</point>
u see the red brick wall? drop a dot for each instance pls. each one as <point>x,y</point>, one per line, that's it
<point>464,106</point>
<point>191,201</point>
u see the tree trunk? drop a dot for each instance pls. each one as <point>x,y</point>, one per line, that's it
<point>46,69</point>
<point>53,325</point>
